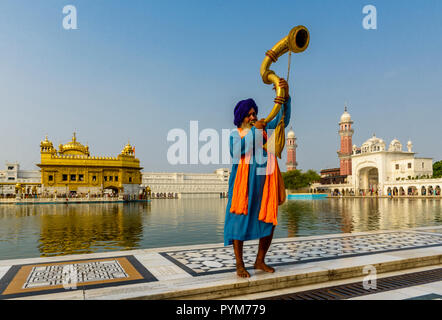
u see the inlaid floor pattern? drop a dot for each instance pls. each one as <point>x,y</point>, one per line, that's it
<point>200,262</point>
<point>45,278</point>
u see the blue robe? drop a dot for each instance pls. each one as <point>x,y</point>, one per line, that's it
<point>248,227</point>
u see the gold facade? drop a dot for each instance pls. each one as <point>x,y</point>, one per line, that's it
<point>73,169</point>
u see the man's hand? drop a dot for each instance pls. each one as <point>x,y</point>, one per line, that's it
<point>283,84</point>
<point>260,124</point>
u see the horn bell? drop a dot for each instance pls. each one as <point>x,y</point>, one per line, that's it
<point>298,39</point>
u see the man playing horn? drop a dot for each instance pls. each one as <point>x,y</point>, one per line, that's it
<point>256,187</point>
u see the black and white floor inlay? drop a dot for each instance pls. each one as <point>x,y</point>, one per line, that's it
<point>198,262</point>
<point>85,272</point>
<point>62,276</point>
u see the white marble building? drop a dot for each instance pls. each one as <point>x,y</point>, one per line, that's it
<point>378,169</point>
<point>187,185</point>
<point>12,175</point>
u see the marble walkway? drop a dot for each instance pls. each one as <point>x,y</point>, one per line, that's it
<point>208,271</point>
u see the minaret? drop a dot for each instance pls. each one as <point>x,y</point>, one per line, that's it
<point>291,151</point>
<point>346,133</point>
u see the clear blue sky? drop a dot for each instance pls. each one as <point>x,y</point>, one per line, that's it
<point>136,69</point>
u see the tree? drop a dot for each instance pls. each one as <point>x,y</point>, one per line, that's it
<point>296,179</point>
<point>437,169</point>
<point>312,176</point>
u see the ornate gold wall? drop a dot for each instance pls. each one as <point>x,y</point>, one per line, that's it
<point>71,168</point>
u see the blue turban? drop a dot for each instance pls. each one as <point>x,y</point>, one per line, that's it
<point>242,109</point>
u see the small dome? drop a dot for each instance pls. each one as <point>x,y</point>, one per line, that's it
<point>46,143</point>
<point>291,134</point>
<point>395,145</point>
<point>74,147</point>
<point>373,144</point>
<point>345,117</point>
<point>128,150</point>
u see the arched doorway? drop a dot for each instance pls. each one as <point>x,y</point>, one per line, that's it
<point>402,191</point>
<point>368,180</point>
<point>412,191</point>
<point>430,190</point>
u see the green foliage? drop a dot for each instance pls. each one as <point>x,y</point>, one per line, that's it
<point>437,169</point>
<point>297,179</point>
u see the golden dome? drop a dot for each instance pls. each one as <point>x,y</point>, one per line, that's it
<point>46,143</point>
<point>46,146</point>
<point>74,147</point>
<point>128,150</point>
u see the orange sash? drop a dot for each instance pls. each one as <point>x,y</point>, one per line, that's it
<point>273,194</point>
<point>240,198</point>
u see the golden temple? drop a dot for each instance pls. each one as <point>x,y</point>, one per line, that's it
<point>72,169</point>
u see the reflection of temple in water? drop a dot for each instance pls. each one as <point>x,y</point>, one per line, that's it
<point>357,214</point>
<point>89,227</point>
<point>350,215</point>
<point>324,215</point>
<point>409,213</point>
<point>71,229</point>
<point>384,214</point>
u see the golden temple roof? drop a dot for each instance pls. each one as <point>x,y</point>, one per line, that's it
<point>74,147</point>
<point>46,143</point>
<point>46,146</point>
<point>128,150</point>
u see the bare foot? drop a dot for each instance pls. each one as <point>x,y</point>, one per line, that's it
<point>264,267</point>
<point>242,272</point>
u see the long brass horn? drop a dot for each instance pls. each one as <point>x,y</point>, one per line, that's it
<point>297,41</point>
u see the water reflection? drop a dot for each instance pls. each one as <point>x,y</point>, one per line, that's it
<point>90,228</point>
<point>49,230</point>
<point>303,218</point>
